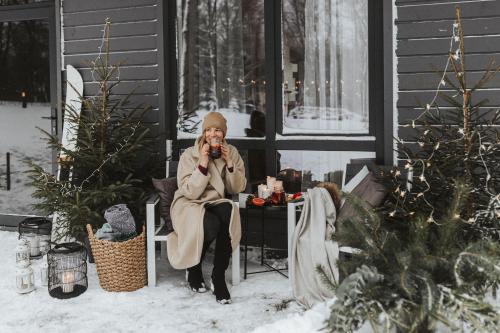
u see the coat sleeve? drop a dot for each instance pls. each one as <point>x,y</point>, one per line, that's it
<point>235,181</point>
<point>191,182</point>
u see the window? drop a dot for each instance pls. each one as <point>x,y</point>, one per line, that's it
<point>325,66</point>
<point>294,78</point>
<point>221,65</point>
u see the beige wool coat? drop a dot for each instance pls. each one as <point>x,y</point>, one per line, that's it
<point>196,190</point>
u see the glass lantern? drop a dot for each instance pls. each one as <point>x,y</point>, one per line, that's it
<point>37,231</point>
<point>22,253</point>
<point>25,279</point>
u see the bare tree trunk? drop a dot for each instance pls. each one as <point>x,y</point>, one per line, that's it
<point>184,69</point>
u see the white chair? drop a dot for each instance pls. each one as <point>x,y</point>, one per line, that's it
<point>156,232</point>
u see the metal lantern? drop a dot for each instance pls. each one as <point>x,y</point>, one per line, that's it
<point>25,279</point>
<point>22,253</point>
<point>37,231</point>
<point>67,270</point>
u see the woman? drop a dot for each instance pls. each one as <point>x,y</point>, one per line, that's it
<point>201,214</point>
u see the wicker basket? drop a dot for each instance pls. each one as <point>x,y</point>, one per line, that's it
<point>121,266</point>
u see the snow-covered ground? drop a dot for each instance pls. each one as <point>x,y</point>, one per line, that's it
<point>20,137</point>
<point>170,307</point>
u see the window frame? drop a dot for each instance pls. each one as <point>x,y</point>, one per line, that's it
<point>379,137</point>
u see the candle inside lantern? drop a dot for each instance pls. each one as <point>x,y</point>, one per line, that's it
<point>68,281</point>
<point>34,244</point>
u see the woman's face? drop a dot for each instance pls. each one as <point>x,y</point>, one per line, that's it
<point>213,133</point>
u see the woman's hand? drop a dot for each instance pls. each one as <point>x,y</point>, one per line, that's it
<point>204,155</point>
<point>225,156</point>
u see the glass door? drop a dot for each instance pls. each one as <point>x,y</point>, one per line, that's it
<point>27,103</point>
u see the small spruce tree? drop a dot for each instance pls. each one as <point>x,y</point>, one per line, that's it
<point>113,160</point>
<point>431,254</point>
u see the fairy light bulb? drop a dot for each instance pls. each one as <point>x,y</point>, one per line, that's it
<point>402,194</point>
<point>391,214</point>
<point>422,178</point>
<point>397,173</point>
<point>431,219</point>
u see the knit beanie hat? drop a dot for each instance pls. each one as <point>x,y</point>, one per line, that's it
<point>216,120</point>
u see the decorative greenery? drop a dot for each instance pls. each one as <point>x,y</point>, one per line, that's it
<point>460,144</point>
<point>431,255</point>
<point>112,162</point>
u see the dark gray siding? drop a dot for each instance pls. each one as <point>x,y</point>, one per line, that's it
<point>135,31</point>
<point>423,36</point>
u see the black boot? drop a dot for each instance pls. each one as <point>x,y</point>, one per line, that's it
<point>221,262</point>
<point>195,280</point>
<point>194,275</point>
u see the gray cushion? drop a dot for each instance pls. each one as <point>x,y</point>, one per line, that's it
<point>166,189</point>
<point>369,191</point>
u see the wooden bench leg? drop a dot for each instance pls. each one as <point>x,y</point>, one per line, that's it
<point>235,267</point>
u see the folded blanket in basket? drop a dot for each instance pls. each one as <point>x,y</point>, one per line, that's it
<point>107,233</point>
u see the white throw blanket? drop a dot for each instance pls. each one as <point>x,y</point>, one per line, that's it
<point>312,247</point>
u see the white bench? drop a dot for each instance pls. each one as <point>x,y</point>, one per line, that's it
<point>156,232</point>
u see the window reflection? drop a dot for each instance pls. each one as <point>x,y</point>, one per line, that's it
<point>19,2</point>
<point>255,168</point>
<point>24,64</point>
<point>325,66</point>
<point>305,169</point>
<point>221,65</point>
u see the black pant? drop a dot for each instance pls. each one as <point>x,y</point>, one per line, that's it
<point>216,227</point>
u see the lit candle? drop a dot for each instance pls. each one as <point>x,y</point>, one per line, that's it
<point>68,281</point>
<point>260,190</point>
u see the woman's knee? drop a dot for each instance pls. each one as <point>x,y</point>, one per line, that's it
<point>211,226</point>
<point>223,212</point>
